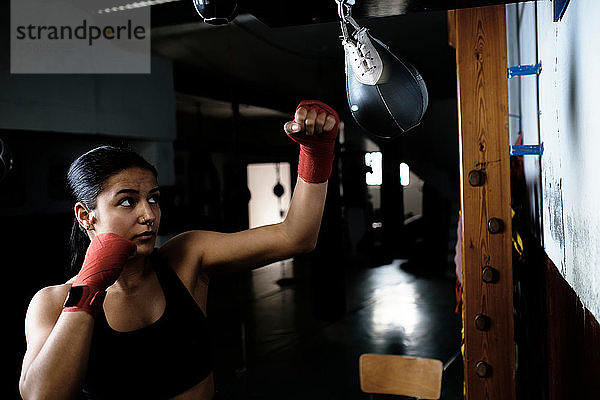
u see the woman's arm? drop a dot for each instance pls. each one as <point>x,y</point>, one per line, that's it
<point>315,127</point>
<point>253,248</point>
<point>58,345</point>
<point>303,220</point>
<point>59,338</point>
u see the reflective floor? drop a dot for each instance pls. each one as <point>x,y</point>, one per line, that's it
<point>279,338</point>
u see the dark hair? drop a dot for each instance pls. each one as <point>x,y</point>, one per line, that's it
<point>87,178</point>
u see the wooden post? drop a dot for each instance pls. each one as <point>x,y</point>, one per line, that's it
<point>485,203</point>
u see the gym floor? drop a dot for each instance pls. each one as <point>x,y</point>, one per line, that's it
<point>278,338</point>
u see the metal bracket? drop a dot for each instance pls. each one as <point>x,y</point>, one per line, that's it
<point>345,13</point>
<point>527,149</point>
<point>521,70</point>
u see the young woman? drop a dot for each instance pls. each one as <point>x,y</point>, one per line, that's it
<point>132,323</point>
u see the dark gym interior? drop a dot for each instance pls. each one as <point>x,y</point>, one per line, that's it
<point>382,278</point>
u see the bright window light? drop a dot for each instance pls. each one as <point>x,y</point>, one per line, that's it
<point>374,160</point>
<point>404,174</point>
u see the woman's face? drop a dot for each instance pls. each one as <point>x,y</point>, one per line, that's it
<point>129,206</point>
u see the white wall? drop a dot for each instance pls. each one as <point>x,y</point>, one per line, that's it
<point>569,123</point>
<point>264,207</point>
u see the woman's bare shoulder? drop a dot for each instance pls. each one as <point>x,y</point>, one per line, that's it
<point>45,307</point>
<point>184,248</point>
<point>50,299</point>
<point>183,254</point>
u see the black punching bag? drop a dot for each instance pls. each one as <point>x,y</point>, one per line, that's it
<point>386,95</point>
<point>216,12</point>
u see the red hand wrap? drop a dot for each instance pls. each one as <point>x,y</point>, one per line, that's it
<point>316,151</point>
<point>104,260</point>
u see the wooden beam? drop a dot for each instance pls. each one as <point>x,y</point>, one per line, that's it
<point>485,203</point>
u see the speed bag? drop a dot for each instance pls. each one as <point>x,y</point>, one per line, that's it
<point>386,95</point>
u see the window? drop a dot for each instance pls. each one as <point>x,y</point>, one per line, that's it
<point>374,160</point>
<point>404,174</point>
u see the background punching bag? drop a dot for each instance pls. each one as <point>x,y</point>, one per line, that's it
<point>216,12</point>
<point>386,95</point>
<point>6,160</point>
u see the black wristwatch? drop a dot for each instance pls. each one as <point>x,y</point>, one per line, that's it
<point>74,296</point>
<point>83,298</point>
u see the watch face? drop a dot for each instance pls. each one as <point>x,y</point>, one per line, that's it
<point>74,296</point>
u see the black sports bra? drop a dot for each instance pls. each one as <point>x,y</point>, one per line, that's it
<point>158,361</point>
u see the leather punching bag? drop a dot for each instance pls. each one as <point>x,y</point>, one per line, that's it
<point>386,95</point>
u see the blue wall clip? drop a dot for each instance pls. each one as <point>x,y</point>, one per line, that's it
<point>521,70</point>
<point>527,149</point>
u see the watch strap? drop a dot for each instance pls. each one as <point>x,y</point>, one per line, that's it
<point>84,298</point>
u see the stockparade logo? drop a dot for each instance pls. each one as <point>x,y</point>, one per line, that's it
<point>78,36</point>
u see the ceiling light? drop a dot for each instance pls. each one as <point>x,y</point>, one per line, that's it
<point>137,4</point>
